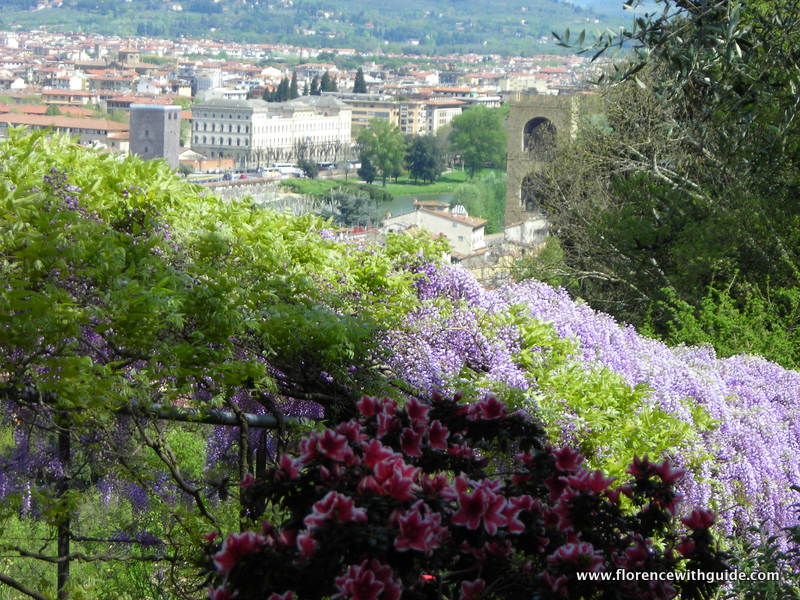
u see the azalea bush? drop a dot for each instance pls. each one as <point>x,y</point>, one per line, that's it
<point>444,499</point>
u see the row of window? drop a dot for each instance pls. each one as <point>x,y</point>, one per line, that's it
<point>221,142</point>
<point>221,127</point>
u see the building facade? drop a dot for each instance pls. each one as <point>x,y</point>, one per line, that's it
<point>155,132</point>
<point>258,133</point>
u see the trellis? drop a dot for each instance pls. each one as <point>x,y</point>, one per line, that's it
<point>160,412</point>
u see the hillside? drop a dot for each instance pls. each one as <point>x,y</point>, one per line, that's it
<point>417,26</point>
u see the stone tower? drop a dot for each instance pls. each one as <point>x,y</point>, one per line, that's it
<point>155,132</point>
<point>535,124</point>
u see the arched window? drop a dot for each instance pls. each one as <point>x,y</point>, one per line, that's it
<point>539,139</point>
<point>530,193</point>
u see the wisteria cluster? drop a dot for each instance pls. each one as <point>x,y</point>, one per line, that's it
<point>433,501</point>
<point>755,403</point>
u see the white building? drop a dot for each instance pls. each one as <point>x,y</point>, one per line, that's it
<point>258,133</point>
<point>465,233</point>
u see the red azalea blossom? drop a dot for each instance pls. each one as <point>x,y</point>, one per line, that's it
<point>699,519</point>
<point>487,409</point>
<point>419,532</point>
<point>581,554</point>
<point>235,546</point>
<point>368,406</point>
<point>334,446</point>
<point>219,594</point>
<point>669,474</point>
<point>567,459</point>
<point>246,481</point>
<point>210,537</point>
<point>686,547</point>
<point>283,596</point>
<point>417,412</point>
<point>512,510</point>
<point>375,452</point>
<point>352,430</point>
<point>482,504</point>
<point>409,443</point>
<point>289,468</point>
<point>437,436</point>
<point>334,505</point>
<point>368,581</point>
<point>306,544</point>
<point>437,486</point>
<point>471,590</point>
<point>586,481</point>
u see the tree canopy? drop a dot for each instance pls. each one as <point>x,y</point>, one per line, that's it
<point>479,137</point>
<point>382,143</point>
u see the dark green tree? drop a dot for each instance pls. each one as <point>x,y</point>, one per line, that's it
<point>315,86</point>
<point>366,171</point>
<point>479,138</point>
<point>360,86</point>
<point>687,195</point>
<point>328,83</point>
<point>309,167</point>
<point>424,158</point>
<point>305,88</point>
<point>383,144</point>
<point>293,93</point>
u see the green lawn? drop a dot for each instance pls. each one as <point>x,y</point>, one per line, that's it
<point>404,187</point>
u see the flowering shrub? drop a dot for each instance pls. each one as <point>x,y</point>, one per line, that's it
<point>426,501</point>
<point>732,423</point>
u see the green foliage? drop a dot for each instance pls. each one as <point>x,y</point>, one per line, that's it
<point>545,263</point>
<point>479,137</point>
<point>484,197</point>
<point>309,167</point>
<point>424,158</point>
<point>350,208</point>
<point>747,322</point>
<point>609,421</point>
<point>691,180</point>
<point>360,86</point>
<point>382,144</point>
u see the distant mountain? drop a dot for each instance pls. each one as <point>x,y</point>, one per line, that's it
<point>415,26</point>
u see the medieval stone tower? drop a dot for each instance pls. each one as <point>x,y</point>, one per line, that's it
<point>535,125</point>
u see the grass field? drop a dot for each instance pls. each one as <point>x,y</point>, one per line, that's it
<point>447,183</point>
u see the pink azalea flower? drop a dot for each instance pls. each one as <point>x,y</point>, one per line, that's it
<point>515,506</point>
<point>410,442</point>
<point>417,412</point>
<point>375,452</point>
<point>418,532</point>
<point>351,430</point>
<point>567,459</point>
<point>699,519</point>
<point>367,406</point>
<point>669,474</point>
<point>210,537</point>
<point>283,596</point>
<point>686,547</point>
<point>334,505</point>
<point>487,409</point>
<point>246,481</point>
<point>471,590</point>
<point>334,446</point>
<point>219,594</point>
<point>437,436</point>
<point>586,481</point>
<point>235,546</point>
<point>289,468</point>
<point>386,423</point>
<point>438,487</point>
<point>367,581</point>
<point>581,554</point>
<point>306,544</point>
<point>482,504</point>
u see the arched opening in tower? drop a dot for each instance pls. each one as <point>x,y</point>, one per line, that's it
<point>539,139</point>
